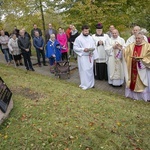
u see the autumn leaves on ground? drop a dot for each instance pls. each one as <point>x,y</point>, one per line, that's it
<point>51,114</point>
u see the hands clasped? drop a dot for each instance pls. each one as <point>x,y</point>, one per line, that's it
<point>27,50</point>
<point>118,46</point>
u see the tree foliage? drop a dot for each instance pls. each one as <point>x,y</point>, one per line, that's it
<point>138,13</point>
<point>24,13</point>
<point>122,13</point>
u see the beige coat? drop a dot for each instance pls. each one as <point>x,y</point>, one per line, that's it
<point>13,47</point>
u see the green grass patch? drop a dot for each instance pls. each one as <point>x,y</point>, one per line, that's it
<point>52,114</point>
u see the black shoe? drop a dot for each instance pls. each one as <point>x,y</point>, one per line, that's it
<point>21,64</point>
<point>116,85</point>
<point>45,65</point>
<point>17,65</point>
<point>32,69</point>
<point>27,69</point>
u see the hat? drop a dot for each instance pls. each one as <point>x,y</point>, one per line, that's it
<point>99,26</point>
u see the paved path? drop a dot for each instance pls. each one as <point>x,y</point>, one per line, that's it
<point>74,76</point>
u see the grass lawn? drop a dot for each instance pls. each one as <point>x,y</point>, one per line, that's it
<point>51,114</point>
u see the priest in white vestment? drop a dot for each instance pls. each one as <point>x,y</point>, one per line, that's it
<point>131,39</point>
<point>101,63</point>
<point>115,65</point>
<point>84,47</point>
<point>137,69</point>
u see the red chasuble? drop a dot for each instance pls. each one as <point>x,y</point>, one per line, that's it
<point>134,71</point>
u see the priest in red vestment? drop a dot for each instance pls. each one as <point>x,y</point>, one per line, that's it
<point>137,69</point>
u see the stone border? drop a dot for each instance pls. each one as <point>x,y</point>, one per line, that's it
<point>4,116</point>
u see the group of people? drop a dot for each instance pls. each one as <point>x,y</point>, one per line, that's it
<point>109,57</point>
<point>55,47</point>
<point>16,46</point>
<point>60,44</point>
<point>101,56</point>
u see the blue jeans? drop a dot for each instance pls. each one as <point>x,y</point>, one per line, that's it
<point>7,55</point>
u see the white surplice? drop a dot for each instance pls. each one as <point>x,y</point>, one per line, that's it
<point>85,60</point>
<point>115,65</point>
<point>103,57</point>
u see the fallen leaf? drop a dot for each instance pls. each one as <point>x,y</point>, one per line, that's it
<point>39,129</point>
<point>91,123</point>
<point>71,137</point>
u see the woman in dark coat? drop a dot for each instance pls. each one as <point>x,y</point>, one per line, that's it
<point>73,35</point>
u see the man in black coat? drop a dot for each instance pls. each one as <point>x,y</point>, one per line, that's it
<point>25,44</point>
<point>35,28</point>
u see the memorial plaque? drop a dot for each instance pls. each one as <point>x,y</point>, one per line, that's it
<point>5,96</point>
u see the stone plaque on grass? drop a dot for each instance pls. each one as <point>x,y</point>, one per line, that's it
<point>5,96</point>
<point>6,103</point>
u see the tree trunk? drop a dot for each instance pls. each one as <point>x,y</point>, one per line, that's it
<point>42,14</point>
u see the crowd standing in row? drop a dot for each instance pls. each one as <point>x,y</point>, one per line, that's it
<point>100,56</point>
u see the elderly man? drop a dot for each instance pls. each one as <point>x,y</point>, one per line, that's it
<point>38,43</point>
<point>101,63</point>
<point>84,47</point>
<point>49,31</point>
<point>137,70</point>
<point>25,44</point>
<point>115,65</point>
<point>131,39</point>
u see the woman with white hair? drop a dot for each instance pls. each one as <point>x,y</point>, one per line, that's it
<point>15,50</point>
<point>53,52</point>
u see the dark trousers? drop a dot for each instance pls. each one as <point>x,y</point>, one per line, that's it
<point>27,60</point>
<point>39,53</point>
<point>64,56</point>
<point>101,71</point>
